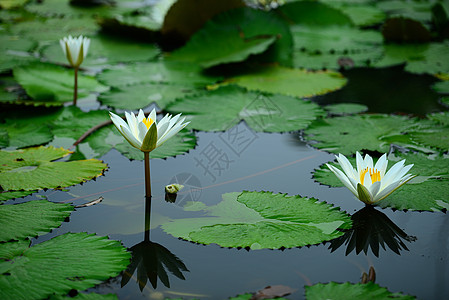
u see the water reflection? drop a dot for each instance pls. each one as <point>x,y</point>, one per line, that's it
<point>152,260</point>
<point>372,228</point>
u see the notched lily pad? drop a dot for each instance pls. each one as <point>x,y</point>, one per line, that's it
<point>259,220</point>
<point>333,290</point>
<point>291,82</point>
<point>53,85</point>
<point>34,168</point>
<point>375,132</point>
<point>29,219</point>
<point>262,112</point>
<point>14,194</point>
<point>70,261</point>
<point>345,108</point>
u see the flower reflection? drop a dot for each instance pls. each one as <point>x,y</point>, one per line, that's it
<point>372,228</point>
<point>152,260</point>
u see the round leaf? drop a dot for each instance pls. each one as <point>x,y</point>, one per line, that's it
<point>26,220</point>
<point>260,220</point>
<point>70,261</point>
<point>292,82</point>
<point>270,113</point>
<point>33,169</point>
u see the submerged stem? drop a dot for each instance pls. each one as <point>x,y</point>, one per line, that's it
<point>75,87</point>
<point>147,218</point>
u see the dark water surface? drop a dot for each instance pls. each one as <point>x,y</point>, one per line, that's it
<point>280,163</point>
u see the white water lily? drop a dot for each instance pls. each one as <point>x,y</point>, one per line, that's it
<point>146,134</point>
<point>371,183</point>
<point>75,49</point>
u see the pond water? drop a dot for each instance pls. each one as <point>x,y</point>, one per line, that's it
<point>280,163</point>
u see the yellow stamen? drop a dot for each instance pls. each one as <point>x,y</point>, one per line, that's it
<point>374,174</point>
<point>148,122</point>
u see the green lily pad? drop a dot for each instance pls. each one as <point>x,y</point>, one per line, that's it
<point>52,84</point>
<point>417,10</point>
<point>269,113</point>
<point>361,14</point>
<point>335,60</point>
<point>30,219</point>
<point>351,291</point>
<point>14,51</point>
<point>90,296</point>
<point>52,8</point>
<point>259,220</point>
<point>8,4</point>
<point>339,39</point>
<point>442,118</point>
<point>106,50</point>
<point>314,13</point>
<point>349,134</point>
<point>22,133</point>
<point>441,87</point>
<point>419,59</point>
<point>427,192</point>
<point>292,82</point>
<point>107,138</point>
<point>4,196</point>
<point>33,169</point>
<point>141,95</point>
<point>345,108</point>
<point>156,72</point>
<point>436,138</point>
<point>45,31</point>
<point>70,261</point>
<point>221,41</point>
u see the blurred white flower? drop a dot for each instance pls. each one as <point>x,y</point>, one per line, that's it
<point>146,134</point>
<point>369,183</point>
<point>75,49</point>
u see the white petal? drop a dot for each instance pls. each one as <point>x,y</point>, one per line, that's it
<point>367,180</point>
<point>118,122</point>
<point>388,190</point>
<point>86,45</point>
<point>346,166</point>
<point>360,163</point>
<point>142,128</point>
<point>374,189</point>
<point>131,138</point>
<point>162,129</point>
<point>381,165</point>
<point>152,115</point>
<point>404,171</point>
<point>62,43</point>
<point>132,123</point>
<point>368,161</point>
<point>140,116</point>
<point>390,176</point>
<point>342,177</point>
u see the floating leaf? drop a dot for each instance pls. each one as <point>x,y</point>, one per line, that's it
<point>437,138</point>
<point>106,50</point>
<point>30,219</point>
<point>156,72</point>
<point>416,10</point>
<point>53,8</point>
<point>269,113</point>
<point>314,13</point>
<point>14,51</point>
<point>361,14</point>
<point>221,41</point>
<point>8,4</point>
<point>349,291</point>
<point>441,118</point>
<point>141,95</point>
<point>327,39</point>
<point>292,82</point>
<point>260,220</point>
<point>70,261</point>
<point>345,108</point>
<point>441,87</point>
<point>44,31</point>
<point>90,296</point>
<point>49,83</point>
<point>12,195</point>
<point>33,169</point>
<point>24,132</point>
<point>349,134</point>
<point>420,59</point>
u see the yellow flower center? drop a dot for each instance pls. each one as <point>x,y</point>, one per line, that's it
<point>373,173</point>
<point>148,122</point>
